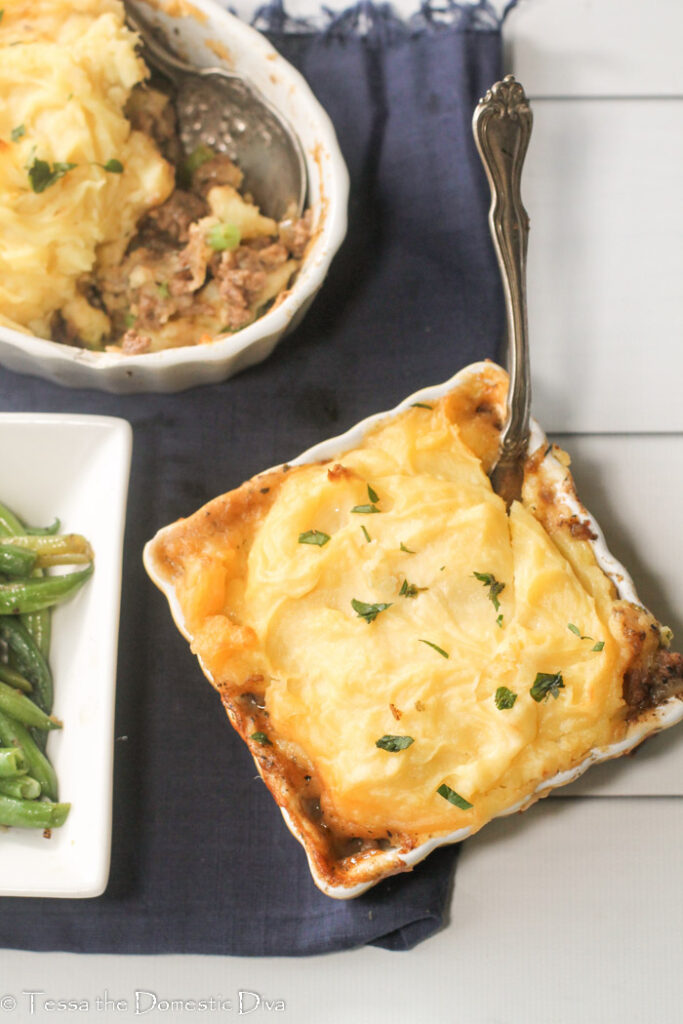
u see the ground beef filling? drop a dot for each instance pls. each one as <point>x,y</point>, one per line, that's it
<point>172,281</point>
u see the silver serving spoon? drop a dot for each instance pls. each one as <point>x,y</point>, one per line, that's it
<point>502,127</point>
<point>218,108</point>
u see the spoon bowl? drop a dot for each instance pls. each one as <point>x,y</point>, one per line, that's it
<point>218,108</point>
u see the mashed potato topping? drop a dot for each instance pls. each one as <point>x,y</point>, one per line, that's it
<point>67,70</point>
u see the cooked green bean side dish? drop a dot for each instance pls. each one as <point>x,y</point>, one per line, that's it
<point>28,783</point>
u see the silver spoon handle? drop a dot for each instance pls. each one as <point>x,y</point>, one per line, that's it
<point>502,127</point>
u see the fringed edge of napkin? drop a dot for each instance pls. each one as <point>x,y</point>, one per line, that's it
<point>366,19</point>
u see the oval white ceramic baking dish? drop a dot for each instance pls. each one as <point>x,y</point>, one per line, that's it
<point>209,35</point>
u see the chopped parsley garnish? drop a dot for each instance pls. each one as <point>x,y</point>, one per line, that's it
<point>369,612</point>
<point>439,650</point>
<point>367,535</point>
<point>408,551</point>
<point>129,319</point>
<point>422,405</point>
<point>114,166</point>
<point>504,698</point>
<point>394,743</point>
<point>499,620</point>
<point>368,509</point>
<point>410,590</point>
<point>163,290</point>
<point>495,588</point>
<point>42,175</point>
<point>314,537</point>
<point>453,798</point>
<point>599,645</point>
<point>547,684</point>
<point>260,737</point>
<point>18,133</point>
<point>223,236</point>
<point>2,12</point>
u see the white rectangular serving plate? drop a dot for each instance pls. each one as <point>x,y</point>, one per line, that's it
<point>75,468</point>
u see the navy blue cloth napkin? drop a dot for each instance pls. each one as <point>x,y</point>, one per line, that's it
<point>202,861</point>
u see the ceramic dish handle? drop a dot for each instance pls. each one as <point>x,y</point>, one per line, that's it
<point>502,127</point>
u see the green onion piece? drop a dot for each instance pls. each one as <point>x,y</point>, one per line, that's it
<point>499,620</point>
<point>422,405</point>
<point>598,646</point>
<point>365,509</point>
<point>18,133</point>
<point>163,290</point>
<point>504,698</point>
<point>408,551</point>
<point>223,236</point>
<point>439,650</point>
<point>453,798</point>
<point>372,495</point>
<point>367,535</point>
<point>314,537</point>
<point>201,155</point>
<point>369,612</point>
<point>547,684</point>
<point>394,743</point>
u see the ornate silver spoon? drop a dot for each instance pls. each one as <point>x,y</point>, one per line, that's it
<point>218,108</point>
<point>502,127</point>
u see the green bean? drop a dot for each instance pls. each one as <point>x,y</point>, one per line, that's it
<point>22,709</point>
<point>32,595</point>
<point>24,788</point>
<point>15,679</point>
<point>9,523</point>
<point>32,813</point>
<point>66,549</point>
<point>39,627</point>
<point>12,762</point>
<point>41,531</point>
<point>16,561</point>
<point>37,623</point>
<point>28,660</point>
<point>14,734</point>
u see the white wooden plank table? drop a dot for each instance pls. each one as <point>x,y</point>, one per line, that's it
<point>571,913</point>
